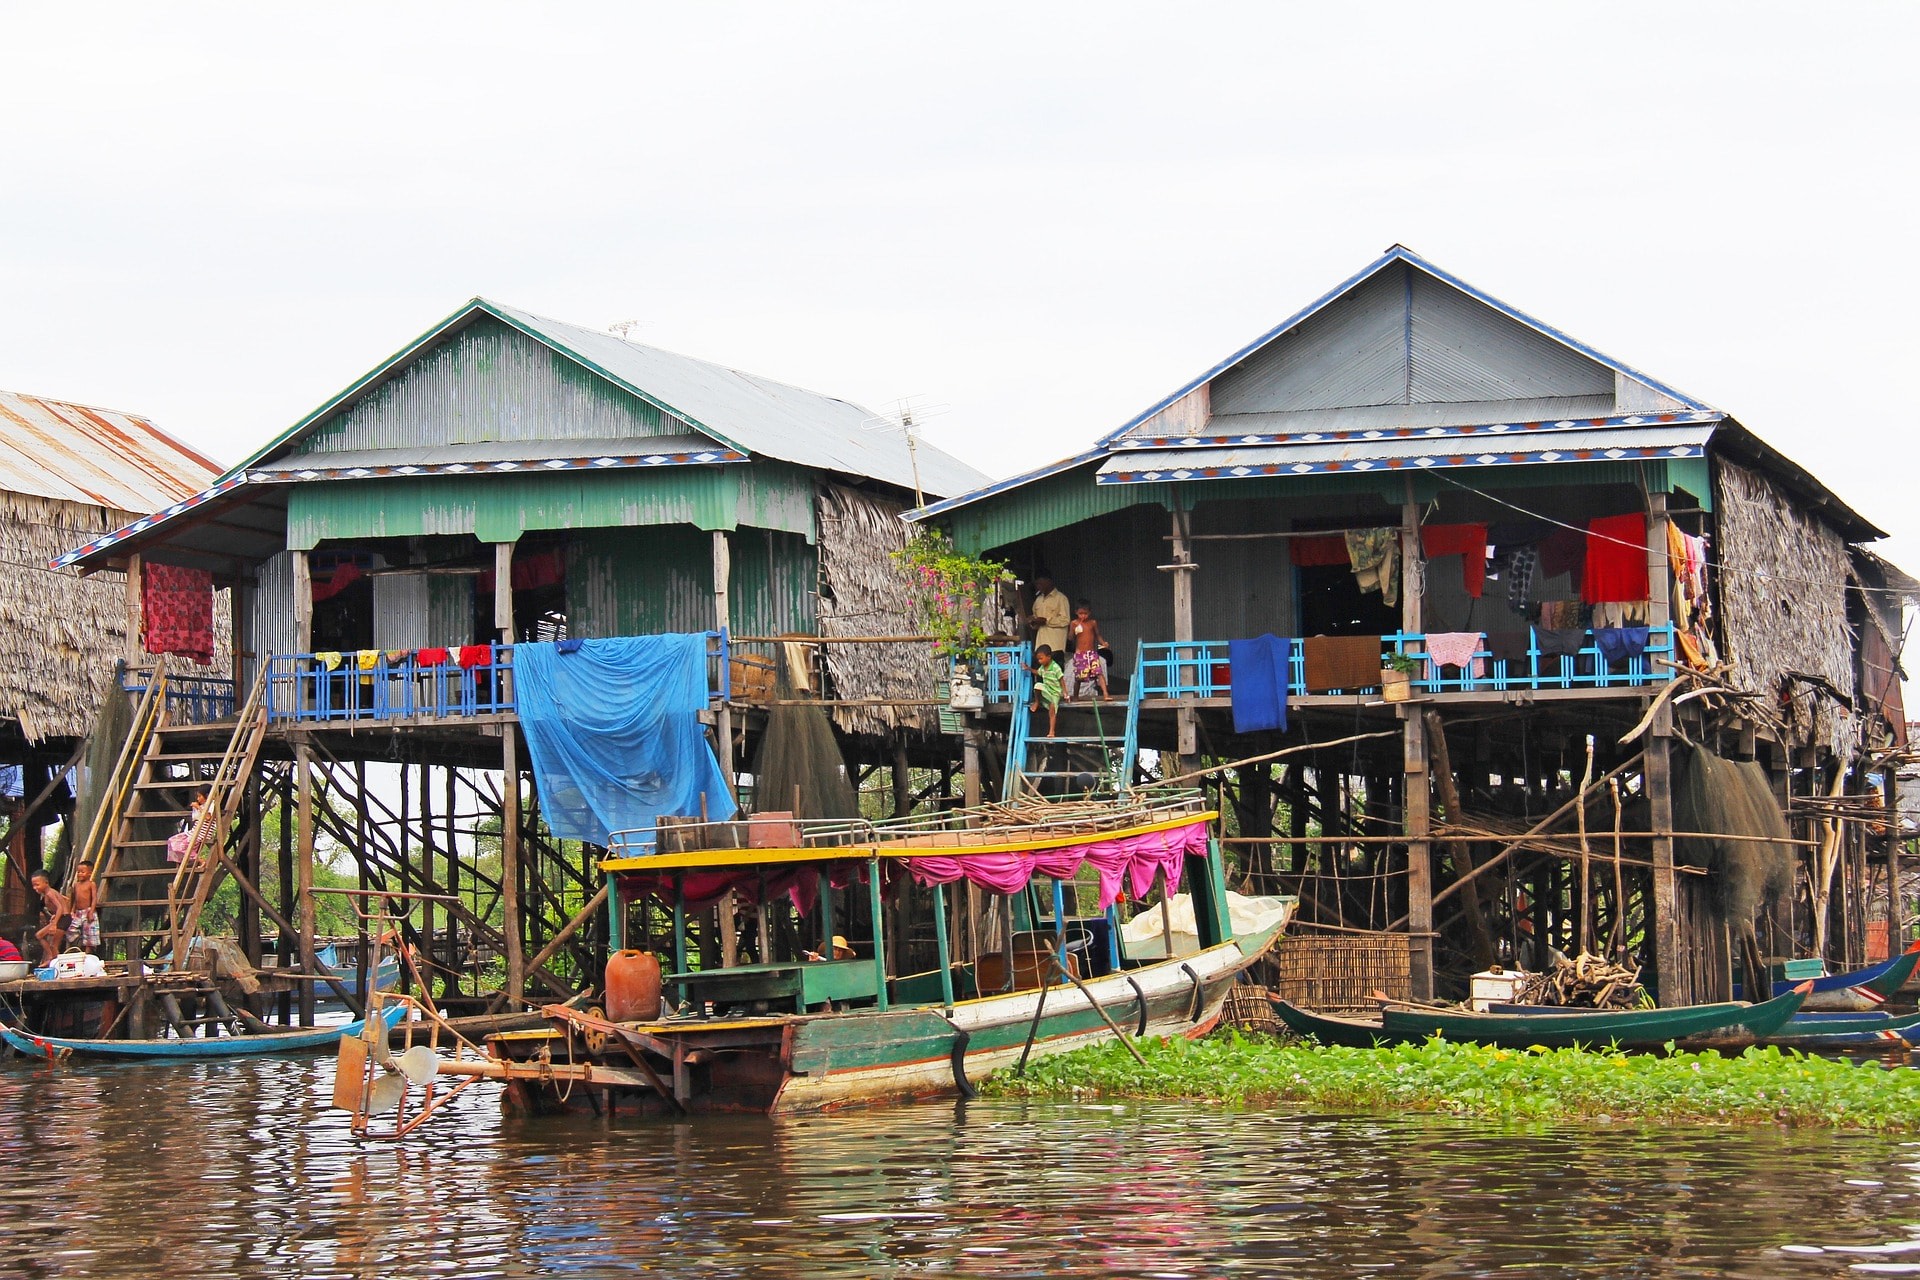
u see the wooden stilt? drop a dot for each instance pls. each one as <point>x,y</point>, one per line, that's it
<point>303,875</point>
<point>1417,820</point>
<point>510,861</point>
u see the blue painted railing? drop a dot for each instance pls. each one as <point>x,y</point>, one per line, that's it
<point>1200,668</point>
<point>398,686</point>
<point>190,699</point>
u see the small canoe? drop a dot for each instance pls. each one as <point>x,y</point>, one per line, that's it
<point>32,1045</point>
<point>1804,1030</point>
<point>1857,990</point>
<point>1353,1033</point>
<point>1701,1026</point>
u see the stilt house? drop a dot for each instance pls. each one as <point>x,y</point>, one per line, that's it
<point>1411,479</point>
<point>508,478</point>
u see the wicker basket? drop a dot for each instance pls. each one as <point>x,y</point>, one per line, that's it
<point>1342,971</point>
<point>1247,1008</point>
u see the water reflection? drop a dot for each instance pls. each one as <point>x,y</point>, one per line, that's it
<point>238,1170</point>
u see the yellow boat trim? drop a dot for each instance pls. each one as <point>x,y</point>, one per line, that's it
<point>701,859</point>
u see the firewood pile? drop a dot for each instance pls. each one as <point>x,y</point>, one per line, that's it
<point>1586,982</point>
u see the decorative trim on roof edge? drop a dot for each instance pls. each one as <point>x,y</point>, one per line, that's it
<point>1133,444</point>
<point>267,476</point>
<point>1424,463</point>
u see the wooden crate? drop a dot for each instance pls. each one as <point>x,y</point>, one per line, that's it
<point>1342,971</point>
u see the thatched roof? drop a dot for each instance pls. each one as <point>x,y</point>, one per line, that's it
<point>1783,597</point>
<point>866,592</point>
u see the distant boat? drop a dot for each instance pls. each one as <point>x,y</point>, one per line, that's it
<point>1857,990</point>
<point>386,974</point>
<point>1701,1024</point>
<point>54,1048</point>
<point>1803,1030</point>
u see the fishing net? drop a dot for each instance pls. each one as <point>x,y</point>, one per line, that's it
<point>1732,797</point>
<point>799,766</point>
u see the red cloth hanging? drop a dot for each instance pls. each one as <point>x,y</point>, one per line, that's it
<point>1309,552</point>
<point>176,609</point>
<point>1563,551</point>
<point>529,572</point>
<point>1616,560</point>
<point>344,576</point>
<point>1468,541</point>
<point>475,655</point>
<point>430,657</point>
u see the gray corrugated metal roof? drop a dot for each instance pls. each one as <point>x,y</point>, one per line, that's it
<point>99,457</point>
<point>1604,445</point>
<point>757,414</point>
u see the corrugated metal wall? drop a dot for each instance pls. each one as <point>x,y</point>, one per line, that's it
<point>1368,348</point>
<point>772,588</point>
<point>273,624</point>
<point>497,508</point>
<point>401,611</point>
<point>629,582</point>
<point>490,382</point>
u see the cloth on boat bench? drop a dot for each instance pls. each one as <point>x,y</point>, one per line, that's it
<point>1259,685</point>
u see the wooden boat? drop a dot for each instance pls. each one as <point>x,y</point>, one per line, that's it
<point>1857,990</point>
<point>788,1034</point>
<point>1803,1030</point>
<point>33,1045</point>
<point>386,973</point>
<point>1689,1026</point>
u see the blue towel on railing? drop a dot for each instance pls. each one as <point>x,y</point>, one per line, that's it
<point>1618,644</point>
<point>1259,683</point>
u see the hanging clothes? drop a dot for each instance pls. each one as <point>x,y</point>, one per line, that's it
<point>1260,678</point>
<point>1561,641</point>
<point>1374,555</point>
<point>474,655</point>
<point>1618,644</point>
<point>1561,615</point>
<point>1620,614</point>
<point>1616,568</point>
<point>1341,662</point>
<point>1517,565</point>
<point>1456,649</point>
<point>176,610</point>
<point>329,658</point>
<point>1325,549</point>
<point>431,657</point>
<point>1511,647</point>
<point>1468,541</point>
<point>1562,553</point>
<point>366,660</point>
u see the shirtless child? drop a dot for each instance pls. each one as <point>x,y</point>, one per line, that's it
<point>52,932</point>
<point>1086,663</point>
<point>84,932</point>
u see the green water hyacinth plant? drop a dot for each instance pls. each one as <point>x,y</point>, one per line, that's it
<point>1759,1086</point>
<point>954,594</point>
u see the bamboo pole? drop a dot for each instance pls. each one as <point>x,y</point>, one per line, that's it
<point>1582,924</point>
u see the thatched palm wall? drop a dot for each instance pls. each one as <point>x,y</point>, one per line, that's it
<point>60,633</point>
<point>1784,606</point>
<point>866,592</point>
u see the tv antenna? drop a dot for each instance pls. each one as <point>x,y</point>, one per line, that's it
<point>623,329</point>
<point>907,413</point>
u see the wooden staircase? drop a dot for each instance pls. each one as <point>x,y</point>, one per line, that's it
<point>160,770</point>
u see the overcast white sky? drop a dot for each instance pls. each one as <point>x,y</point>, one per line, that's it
<point>1043,216</point>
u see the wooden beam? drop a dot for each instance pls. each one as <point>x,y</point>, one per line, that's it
<point>1676,986</point>
<point>303,601</point>
<point>1417,821</point>
<point>510,862</point>
<point>503,590</point>
<point>136,655</point>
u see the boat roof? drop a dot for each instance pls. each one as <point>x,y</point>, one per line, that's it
<point>909,841</point>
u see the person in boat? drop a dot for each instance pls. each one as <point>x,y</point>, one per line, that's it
<point>85,930</point>
<point>1086,665</point>
<point>54,917</point>
<point>840,949</point>
<point>1047,678</point>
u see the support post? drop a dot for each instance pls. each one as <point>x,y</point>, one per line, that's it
<point>136,616</point>
<point>1419,824</point>
<point>1413,576</point>
<point>303,876</point>
<point>1676,985</point>
<point>876,910</point>
<point>503,590</point>
<point>303,601</point>
<point>970,763</point>
<point>940,944</point>
<point>510,861</point>
<point>1186,718</point>
<point>1659,602</point>
<point>723,623</point>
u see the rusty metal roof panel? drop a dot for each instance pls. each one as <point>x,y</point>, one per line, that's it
<point>99,457</point>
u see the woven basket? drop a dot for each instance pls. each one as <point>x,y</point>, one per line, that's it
<point>1247,1008</point>
<point>1342,971</point>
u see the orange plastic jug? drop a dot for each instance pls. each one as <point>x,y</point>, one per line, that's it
<point>633,986</point>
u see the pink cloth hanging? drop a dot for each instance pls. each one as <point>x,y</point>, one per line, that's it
<point>1456,649</point>
<point>1134,862</point>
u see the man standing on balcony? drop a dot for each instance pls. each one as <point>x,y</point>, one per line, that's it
<point>1051,612</point>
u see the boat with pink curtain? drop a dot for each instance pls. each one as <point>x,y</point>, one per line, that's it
<point>876,961</point>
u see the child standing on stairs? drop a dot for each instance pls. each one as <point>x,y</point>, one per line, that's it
<point>1046,686</point>
<point>1086,665</point>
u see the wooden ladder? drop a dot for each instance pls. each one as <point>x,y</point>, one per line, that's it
<point>196,877</point>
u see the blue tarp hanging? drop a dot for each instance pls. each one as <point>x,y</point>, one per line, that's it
<point>613,727</point>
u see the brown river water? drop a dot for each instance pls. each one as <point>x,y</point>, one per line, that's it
<point>239,1170</point>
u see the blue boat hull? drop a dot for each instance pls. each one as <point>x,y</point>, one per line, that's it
<point>55,1047</point>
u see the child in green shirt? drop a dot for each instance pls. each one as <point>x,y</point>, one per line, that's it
<point>1047,680</point>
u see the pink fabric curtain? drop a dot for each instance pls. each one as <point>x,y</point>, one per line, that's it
<point>799,884</point>
<point>1134,862</point>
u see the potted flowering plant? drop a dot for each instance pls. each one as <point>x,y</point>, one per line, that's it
<point>954,595</point>
<point>1396,677</point>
